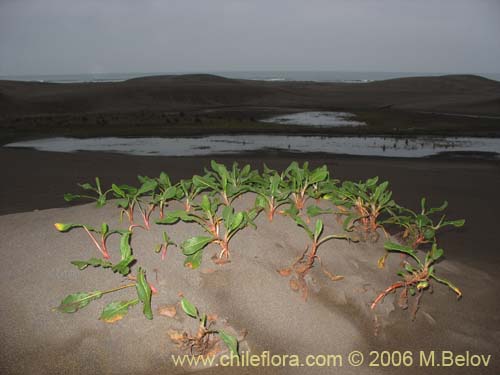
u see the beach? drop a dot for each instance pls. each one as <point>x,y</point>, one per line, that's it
<point>250,298</point>
<point>37,260</point>
<point>206,104</point>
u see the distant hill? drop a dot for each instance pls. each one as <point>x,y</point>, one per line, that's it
<point>466,94</point>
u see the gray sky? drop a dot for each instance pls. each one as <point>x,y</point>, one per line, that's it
<point>102,36</point>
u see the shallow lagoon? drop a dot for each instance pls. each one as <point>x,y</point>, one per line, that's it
<point>235,144</point>
<point>321,119</point>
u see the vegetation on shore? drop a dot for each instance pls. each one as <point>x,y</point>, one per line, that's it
<point>365,208</point>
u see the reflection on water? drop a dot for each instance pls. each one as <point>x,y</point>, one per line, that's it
<point>227,144</point>
<point>322,119</point>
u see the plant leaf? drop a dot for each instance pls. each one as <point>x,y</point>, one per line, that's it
<point>193,261</point>
<point>116,311</point>
<point>230,341</point>
<point>65,227</point>
<point>302,223</point>
<point>314,210</point>
<point>147,187</point>
<point>118,191</point>
<point>195,244</point>
<point>392,246</point>
<point>144,293</point>
<point>94,262</point>
<point>189,308</point>
<point>125,249</point>
<point>74,302</point>
<point>68,197</point>
<point>123,267</point>
<point>236,221</point>
<point>318,229</point>
<point>455,223</point>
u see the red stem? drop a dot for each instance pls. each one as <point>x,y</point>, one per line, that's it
<point>103,249</point>
<point>381,296</point>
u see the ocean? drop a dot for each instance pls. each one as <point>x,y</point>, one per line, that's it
<point>317,76</point>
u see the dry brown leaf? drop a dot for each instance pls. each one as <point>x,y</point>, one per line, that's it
<point>285,271</point>
<point>212,317</point>
<point>381,261</point>
<point>301,268</point>
<point>114,319</point>
<point>294,285</point>
<point>332,277</point>
<point>220,261</point>
<point>176,336</point>
<point>169,311</point>
<point>207,270</point>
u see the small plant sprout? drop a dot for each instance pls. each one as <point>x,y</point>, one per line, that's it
<point>162,248</point>
<point>167,192</point>
<point>100,198</point>
<point>122,267</point>
<point>415,278</point>
<point>230,184</point>
<point>187,191</point>
<point>206,216</point>
<point>302,181</point>
<point>420,228</point>
<point>272,192</point>
<point>99,242</point>
<point>368,200</point>
<point>204,342</point>
<point>305,262</point>
<point>131,197</point>
<point>114,311</point>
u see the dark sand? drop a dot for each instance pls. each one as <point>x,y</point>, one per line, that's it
<point>247,292</point>
<point>205,104</point>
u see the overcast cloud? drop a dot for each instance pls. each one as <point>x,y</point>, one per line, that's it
<point>102,36</point>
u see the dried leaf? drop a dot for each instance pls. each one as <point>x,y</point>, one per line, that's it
<point>168,311</point>
<point>176,336</point>
<point>116,311</point>
<point>381,261</point>
<point>331,276</point>
<point>285,271</point>
<point>212,317</point>
<point>294,285</point>
<point>220,261</point>
<point>302,268</point>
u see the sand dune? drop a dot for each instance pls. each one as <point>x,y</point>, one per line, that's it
<point>248,292</point>
<point>446,93</point>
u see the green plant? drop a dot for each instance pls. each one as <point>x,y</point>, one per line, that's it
<point>100,242</point>
<point>272,192</point>
<point>230,184</point>
<point>131,197</point>
<point>368,200</point>
<point>202,343</point>
<point>114,311</point>
<point>207,217</point>
<point>419,228</point>
<point>303,264</point>
<point>164,245</point>
<point>100,198</point>
<point>188,191</point>
<point>303,182</point>
<point>415,278</point>
<point>122,267</point>
<point>167,192</point>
